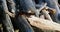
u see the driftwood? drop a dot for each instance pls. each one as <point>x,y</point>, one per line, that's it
<point>6,19</point>
<point>12,5</point>
<point>44,24</point>
<point>46,14</point>
<point>1,27</point>
<point>5,8</point>
<point>44,5</point>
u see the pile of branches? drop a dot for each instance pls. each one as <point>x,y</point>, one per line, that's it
<point>27,15</point>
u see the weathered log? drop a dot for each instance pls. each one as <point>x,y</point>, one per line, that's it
<point>26,5</point>
<point>6,19</point>
<point>5,8</point>
<point>12,5</point>
<point>1,28</point>
<point>7,23</point>
<point>46,14</point>
<point>44,24</point>
<point>54,4</point>
<point>17,30</point>
<point>43,6</point>
<point>22,24</point>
